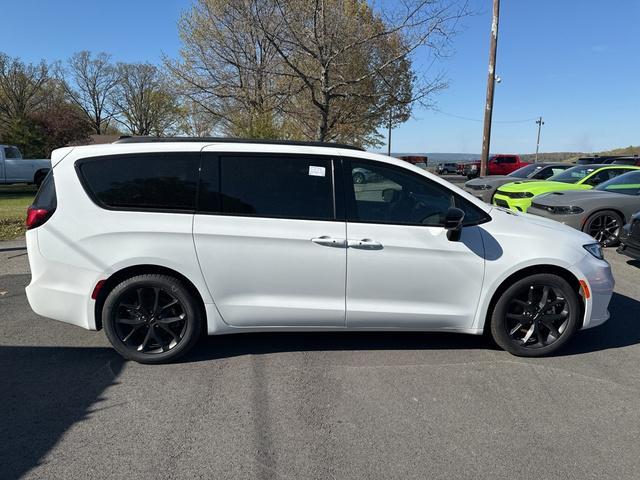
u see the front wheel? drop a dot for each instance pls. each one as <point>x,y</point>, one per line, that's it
<point>535,316</point>
<point>604,227</point>
<point>358,178</point>
<point>151,318</point>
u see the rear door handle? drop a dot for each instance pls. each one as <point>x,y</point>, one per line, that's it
<point>364,244</point>
<point>327,241</point>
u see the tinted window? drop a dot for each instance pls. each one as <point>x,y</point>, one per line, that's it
<point>525,172</point>
<point>629,184</point>
<point>272,186</point>
<point>46,196</point>
<point>393,195</point>
<point>11,153</point>
<point>162,181</point>
<point>604,175</point>
<point>573,174</point>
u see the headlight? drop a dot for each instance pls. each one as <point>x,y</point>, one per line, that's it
<point>595,249</point>
<point>517,194</point>
<point>565,210</point>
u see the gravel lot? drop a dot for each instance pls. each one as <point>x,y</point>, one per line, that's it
<point>317,405</point>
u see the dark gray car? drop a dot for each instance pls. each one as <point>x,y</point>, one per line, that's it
<point>484,187</point>
<point>600,212</point>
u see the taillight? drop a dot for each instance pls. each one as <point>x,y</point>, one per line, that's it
<point>36,217</point>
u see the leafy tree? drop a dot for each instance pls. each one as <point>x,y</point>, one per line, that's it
<point>145,103</point>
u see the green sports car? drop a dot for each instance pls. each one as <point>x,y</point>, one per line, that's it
<point>517,195</point>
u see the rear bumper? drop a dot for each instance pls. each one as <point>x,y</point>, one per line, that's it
<point>59,291</point>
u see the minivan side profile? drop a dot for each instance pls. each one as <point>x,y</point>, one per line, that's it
<point>158,241</point>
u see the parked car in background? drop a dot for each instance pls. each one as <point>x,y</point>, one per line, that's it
<point>635,160</point>
<point>498,165</point>
<point>517,195</point>
<point>600,212</point>
<point>446,168</point>
<point>419,161</point>
<point>598,160</point>
<point>630,238</point>
<point>460,168</point>
<point>484,187</point>
<point>15,169</point>
<point>158,241</point>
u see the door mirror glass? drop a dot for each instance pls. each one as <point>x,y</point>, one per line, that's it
<point>453,223</point>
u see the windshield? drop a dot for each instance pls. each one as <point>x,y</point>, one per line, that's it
<point>629,184</point>
<point>573,174</point>
<point>525,172</point>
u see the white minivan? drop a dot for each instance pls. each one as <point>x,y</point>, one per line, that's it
<point>160,240</point>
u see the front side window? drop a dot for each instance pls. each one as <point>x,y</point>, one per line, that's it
<point>604,175</point>
<point>150,181</point>
<point>391,195</point>
<point>277,186</point>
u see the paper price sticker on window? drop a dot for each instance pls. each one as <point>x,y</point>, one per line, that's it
<point>317,171</point>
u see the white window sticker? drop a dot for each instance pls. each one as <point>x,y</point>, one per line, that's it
<point>316,171</point>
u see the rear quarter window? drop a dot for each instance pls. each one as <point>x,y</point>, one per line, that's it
<point>153,181</point>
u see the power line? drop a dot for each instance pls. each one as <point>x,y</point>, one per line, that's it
<point>480,120</point>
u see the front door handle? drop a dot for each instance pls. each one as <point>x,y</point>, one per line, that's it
<point>364,244</point>
<point>327,241</point>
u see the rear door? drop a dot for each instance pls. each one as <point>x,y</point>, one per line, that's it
<point>270,241</point>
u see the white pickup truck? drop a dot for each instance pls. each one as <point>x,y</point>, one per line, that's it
<point>15,169</point>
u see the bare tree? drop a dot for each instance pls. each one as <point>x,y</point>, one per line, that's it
<point>230,68</point>
<point>345,55</point>
<point>90,82</point>
<point>22,88</point>
<point>144,101</point>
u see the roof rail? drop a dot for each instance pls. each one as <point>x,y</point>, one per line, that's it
<point>148,139</point>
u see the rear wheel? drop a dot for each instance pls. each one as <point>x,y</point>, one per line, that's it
<point>535,316</point>
<point>151,318</point>
<point>605,227</point>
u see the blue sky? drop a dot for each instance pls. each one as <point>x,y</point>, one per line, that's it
<point>575,62</point>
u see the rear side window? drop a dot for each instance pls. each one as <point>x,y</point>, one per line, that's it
<point>46,196</point>
<point>275,186</point>
<point>150,181</point>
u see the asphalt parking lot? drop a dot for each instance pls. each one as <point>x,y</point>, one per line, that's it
<point>341,406</point>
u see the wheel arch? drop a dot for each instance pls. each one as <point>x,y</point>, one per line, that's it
<point>134,270</point>
<point>604,209</point>
<point>528,271</point>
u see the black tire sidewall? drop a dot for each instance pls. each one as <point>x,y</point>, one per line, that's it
<point>498,328</point>
<point>173,285</point>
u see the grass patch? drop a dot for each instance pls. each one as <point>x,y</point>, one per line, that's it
<point>14,200</point>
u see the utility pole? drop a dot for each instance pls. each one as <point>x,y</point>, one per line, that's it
<point>540,123</point>
<point>389,136</point>
<point>488,109</point>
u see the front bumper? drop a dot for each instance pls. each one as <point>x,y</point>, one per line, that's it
<point>516,204</point>
<point>630,245</point>
<point>600,283</point>
<point>572,220</point>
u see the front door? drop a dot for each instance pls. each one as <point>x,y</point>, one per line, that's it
<point>402,270</point>
<point>268,240</point>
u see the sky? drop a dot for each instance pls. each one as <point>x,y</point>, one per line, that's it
<point>576,63</point>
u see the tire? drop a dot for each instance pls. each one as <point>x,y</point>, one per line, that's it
<point>521,327</point>
<point>152,318</point>
<point>358,178</point>
<point>605,227</point>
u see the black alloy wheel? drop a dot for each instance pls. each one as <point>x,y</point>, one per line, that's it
<point>358,178</point>
<point>536,315</point>
<point>151,318</point>
<point>604,227</point>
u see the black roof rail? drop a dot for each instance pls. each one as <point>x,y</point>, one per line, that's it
<point>148,139</point>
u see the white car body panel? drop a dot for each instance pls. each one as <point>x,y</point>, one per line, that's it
<point>260,274</point>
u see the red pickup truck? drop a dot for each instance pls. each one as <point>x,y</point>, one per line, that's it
<point>502,164</point>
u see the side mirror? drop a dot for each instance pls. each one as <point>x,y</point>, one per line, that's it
<point>453,223</point>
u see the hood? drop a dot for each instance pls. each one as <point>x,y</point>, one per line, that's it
<point>541,186</point>
<point>545,226</point>
<point>573,197</point>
